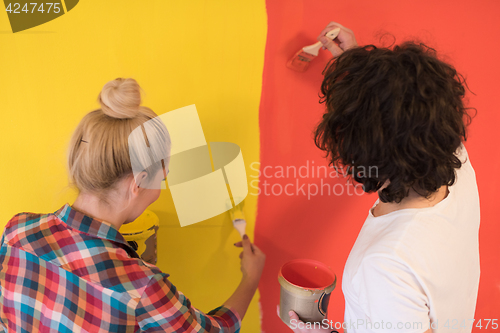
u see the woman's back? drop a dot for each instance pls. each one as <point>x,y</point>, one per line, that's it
<point>68,272</point>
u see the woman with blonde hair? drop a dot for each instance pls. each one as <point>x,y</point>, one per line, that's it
<point>72,270</point>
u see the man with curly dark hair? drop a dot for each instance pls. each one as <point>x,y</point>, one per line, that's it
<point>415,264</point>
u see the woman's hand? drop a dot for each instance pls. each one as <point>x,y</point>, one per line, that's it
<point>252,263</point>
<point>345,37</point>
<point>301,326</point>
<point>252,260</point>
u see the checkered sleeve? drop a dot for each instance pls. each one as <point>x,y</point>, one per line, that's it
<point>3,327</point>
<point>3,238</point>
<point>163,308</point>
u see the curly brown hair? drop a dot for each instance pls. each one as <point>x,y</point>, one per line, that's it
<point>397,110</point>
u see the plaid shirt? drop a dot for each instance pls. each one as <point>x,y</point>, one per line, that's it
<point>67,272</point>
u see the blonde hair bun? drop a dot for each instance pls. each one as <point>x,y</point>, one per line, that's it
<point>121,98</point>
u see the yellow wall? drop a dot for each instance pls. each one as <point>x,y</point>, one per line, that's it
<point>209,53</point>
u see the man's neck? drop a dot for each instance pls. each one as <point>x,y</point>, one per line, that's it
<point>413,200</point>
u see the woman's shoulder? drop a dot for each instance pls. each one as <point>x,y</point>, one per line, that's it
<point>24,220</point>
<point>24,216</point>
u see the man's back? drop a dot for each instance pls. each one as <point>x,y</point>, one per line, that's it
<point>415,265</point>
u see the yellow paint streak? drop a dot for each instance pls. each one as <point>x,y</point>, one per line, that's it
<point>210,53</point>
<point>64,5</point>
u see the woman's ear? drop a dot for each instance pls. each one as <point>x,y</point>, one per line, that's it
<point>136,182</point>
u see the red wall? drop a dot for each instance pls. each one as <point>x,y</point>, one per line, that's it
<point>325,227</point>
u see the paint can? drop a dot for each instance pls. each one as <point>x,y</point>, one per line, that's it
<point>141,235</point>
<point>306,286</point>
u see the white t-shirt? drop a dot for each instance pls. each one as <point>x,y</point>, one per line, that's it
<point>417,266</point>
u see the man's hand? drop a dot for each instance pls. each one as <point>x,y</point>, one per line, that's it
<point>301,325</point>
<point>345,38</point>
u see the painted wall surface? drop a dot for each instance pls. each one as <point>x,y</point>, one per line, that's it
<point>208,53</point>
<point>324,227</point>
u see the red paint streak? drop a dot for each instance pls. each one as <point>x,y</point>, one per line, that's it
<point>325,227</point>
